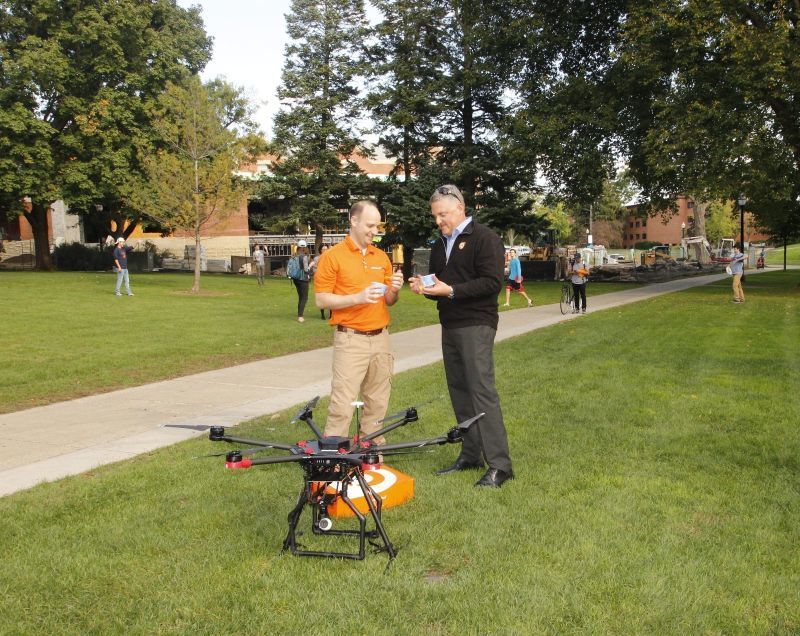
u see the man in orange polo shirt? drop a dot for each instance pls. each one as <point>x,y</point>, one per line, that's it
<point>354,279</point>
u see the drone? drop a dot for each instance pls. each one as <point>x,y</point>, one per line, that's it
<point>332,466</point>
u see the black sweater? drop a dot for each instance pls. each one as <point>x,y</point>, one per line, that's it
<point>475,272</point>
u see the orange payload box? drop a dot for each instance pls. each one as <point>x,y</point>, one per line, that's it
<point>393,487</point>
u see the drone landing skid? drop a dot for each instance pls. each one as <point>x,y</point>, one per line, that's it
<point>315,494</point>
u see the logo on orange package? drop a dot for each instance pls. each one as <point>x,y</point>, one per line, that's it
<point>392,486</point>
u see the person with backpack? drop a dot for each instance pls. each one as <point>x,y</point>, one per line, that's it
<point>297,271</point>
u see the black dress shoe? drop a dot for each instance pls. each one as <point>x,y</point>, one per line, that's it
<point>494,478</point>
<point>460,464</point>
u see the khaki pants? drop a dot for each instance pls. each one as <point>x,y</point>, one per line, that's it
<point>738,292</point>
<point>361,365</point>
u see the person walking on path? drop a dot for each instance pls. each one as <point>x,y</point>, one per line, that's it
<point>354,279</point>
<point>737,270</point>
<point>121,252</point>
<point>258,259</point>
<point>467,264</point>
<point>580,274</point>
<point>515,279</point>
<point>301,280</point>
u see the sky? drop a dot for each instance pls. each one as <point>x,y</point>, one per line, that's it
<point>249,42</point>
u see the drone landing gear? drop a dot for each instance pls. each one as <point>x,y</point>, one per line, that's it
<point>313,494</point>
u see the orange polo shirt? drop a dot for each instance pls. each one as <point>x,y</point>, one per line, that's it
<point>344,270</point>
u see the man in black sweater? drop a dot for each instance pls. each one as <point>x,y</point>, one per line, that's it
<point>468,266</point>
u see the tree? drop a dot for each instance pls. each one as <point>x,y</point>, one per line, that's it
<point>74,83</point>
<point>707,101</point>
<point>721,221</point>
<point>315,131</point>
<point>191,182</point>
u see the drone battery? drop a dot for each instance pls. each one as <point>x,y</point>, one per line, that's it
<point>393,487</point>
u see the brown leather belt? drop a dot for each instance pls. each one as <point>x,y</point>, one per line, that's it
<point>374,332</point>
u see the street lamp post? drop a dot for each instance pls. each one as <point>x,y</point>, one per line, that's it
<point>683,230</point>
<point>742,201</point>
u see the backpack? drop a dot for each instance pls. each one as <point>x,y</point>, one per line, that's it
<point>294,270</point>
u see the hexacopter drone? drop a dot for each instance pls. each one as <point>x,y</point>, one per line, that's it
<point>333,469</point>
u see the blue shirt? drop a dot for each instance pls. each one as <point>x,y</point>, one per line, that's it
<point>514,269</point>
<point>121,255</point>
<point>737,264</point>
<point>449,241</point>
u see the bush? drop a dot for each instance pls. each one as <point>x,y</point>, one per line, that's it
<point>77,257</point>
<point>645,245</point>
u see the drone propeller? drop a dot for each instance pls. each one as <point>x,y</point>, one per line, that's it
<point>246,451</point>
<point>192,427</point>
<point>304,412</point>
<point>407,409</point>
<point>467,423</point>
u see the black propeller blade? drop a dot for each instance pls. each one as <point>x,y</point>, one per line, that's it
<point>303,412</point>
<point>407,409</point>
<point>192,427</point>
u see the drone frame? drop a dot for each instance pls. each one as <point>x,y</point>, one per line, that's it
<point>335,460</point>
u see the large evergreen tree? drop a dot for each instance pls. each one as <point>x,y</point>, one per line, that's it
<point>74,82</point>
<point>316,130</point>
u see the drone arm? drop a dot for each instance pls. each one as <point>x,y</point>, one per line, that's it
<point>255,442</point>
<point>416,444</point>
<point>384,430</point>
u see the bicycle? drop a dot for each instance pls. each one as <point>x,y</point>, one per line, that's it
<point>567,298</point>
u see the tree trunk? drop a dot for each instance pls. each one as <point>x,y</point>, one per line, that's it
<point>318,236</point>
<point>700,209</point>
<point>196,281</point>
<point>37,218</point>
<point>197,225</point>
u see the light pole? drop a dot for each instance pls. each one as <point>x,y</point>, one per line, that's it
<point>742,201</point>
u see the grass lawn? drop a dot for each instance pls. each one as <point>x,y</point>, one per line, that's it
<point>656,449</point>
<point>66,335</point>
<point>775,255</point>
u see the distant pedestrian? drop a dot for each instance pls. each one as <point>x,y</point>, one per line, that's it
<point>737,270</point>
<point>121,252</point>
<point>258,260</point>
<point>514,282</point>
<point>301,282</point>
<point>580,274</point>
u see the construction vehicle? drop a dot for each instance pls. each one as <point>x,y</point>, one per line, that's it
<point>696,248</point>
<point>723,253</point>
<point>660,254</point>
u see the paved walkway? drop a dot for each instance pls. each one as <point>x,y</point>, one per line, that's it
<point>67,438</point>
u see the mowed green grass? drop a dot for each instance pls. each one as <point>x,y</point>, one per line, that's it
<point>66,335</point>
<point>775,255</point>
<point>656,450</point>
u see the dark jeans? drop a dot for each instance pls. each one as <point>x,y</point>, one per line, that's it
<point>579,292</point>
<point>302,295</point>
<point>469,366</point>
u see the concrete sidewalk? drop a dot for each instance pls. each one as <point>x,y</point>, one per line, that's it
<point>67,438</point>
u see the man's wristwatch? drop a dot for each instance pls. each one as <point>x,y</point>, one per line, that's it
<point>452,293</point>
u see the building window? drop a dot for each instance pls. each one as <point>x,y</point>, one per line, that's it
<point>631,223</point>
<point>644,236</point>
<point>690,204</point>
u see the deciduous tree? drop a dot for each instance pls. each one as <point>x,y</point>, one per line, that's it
<point>75,79</point>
